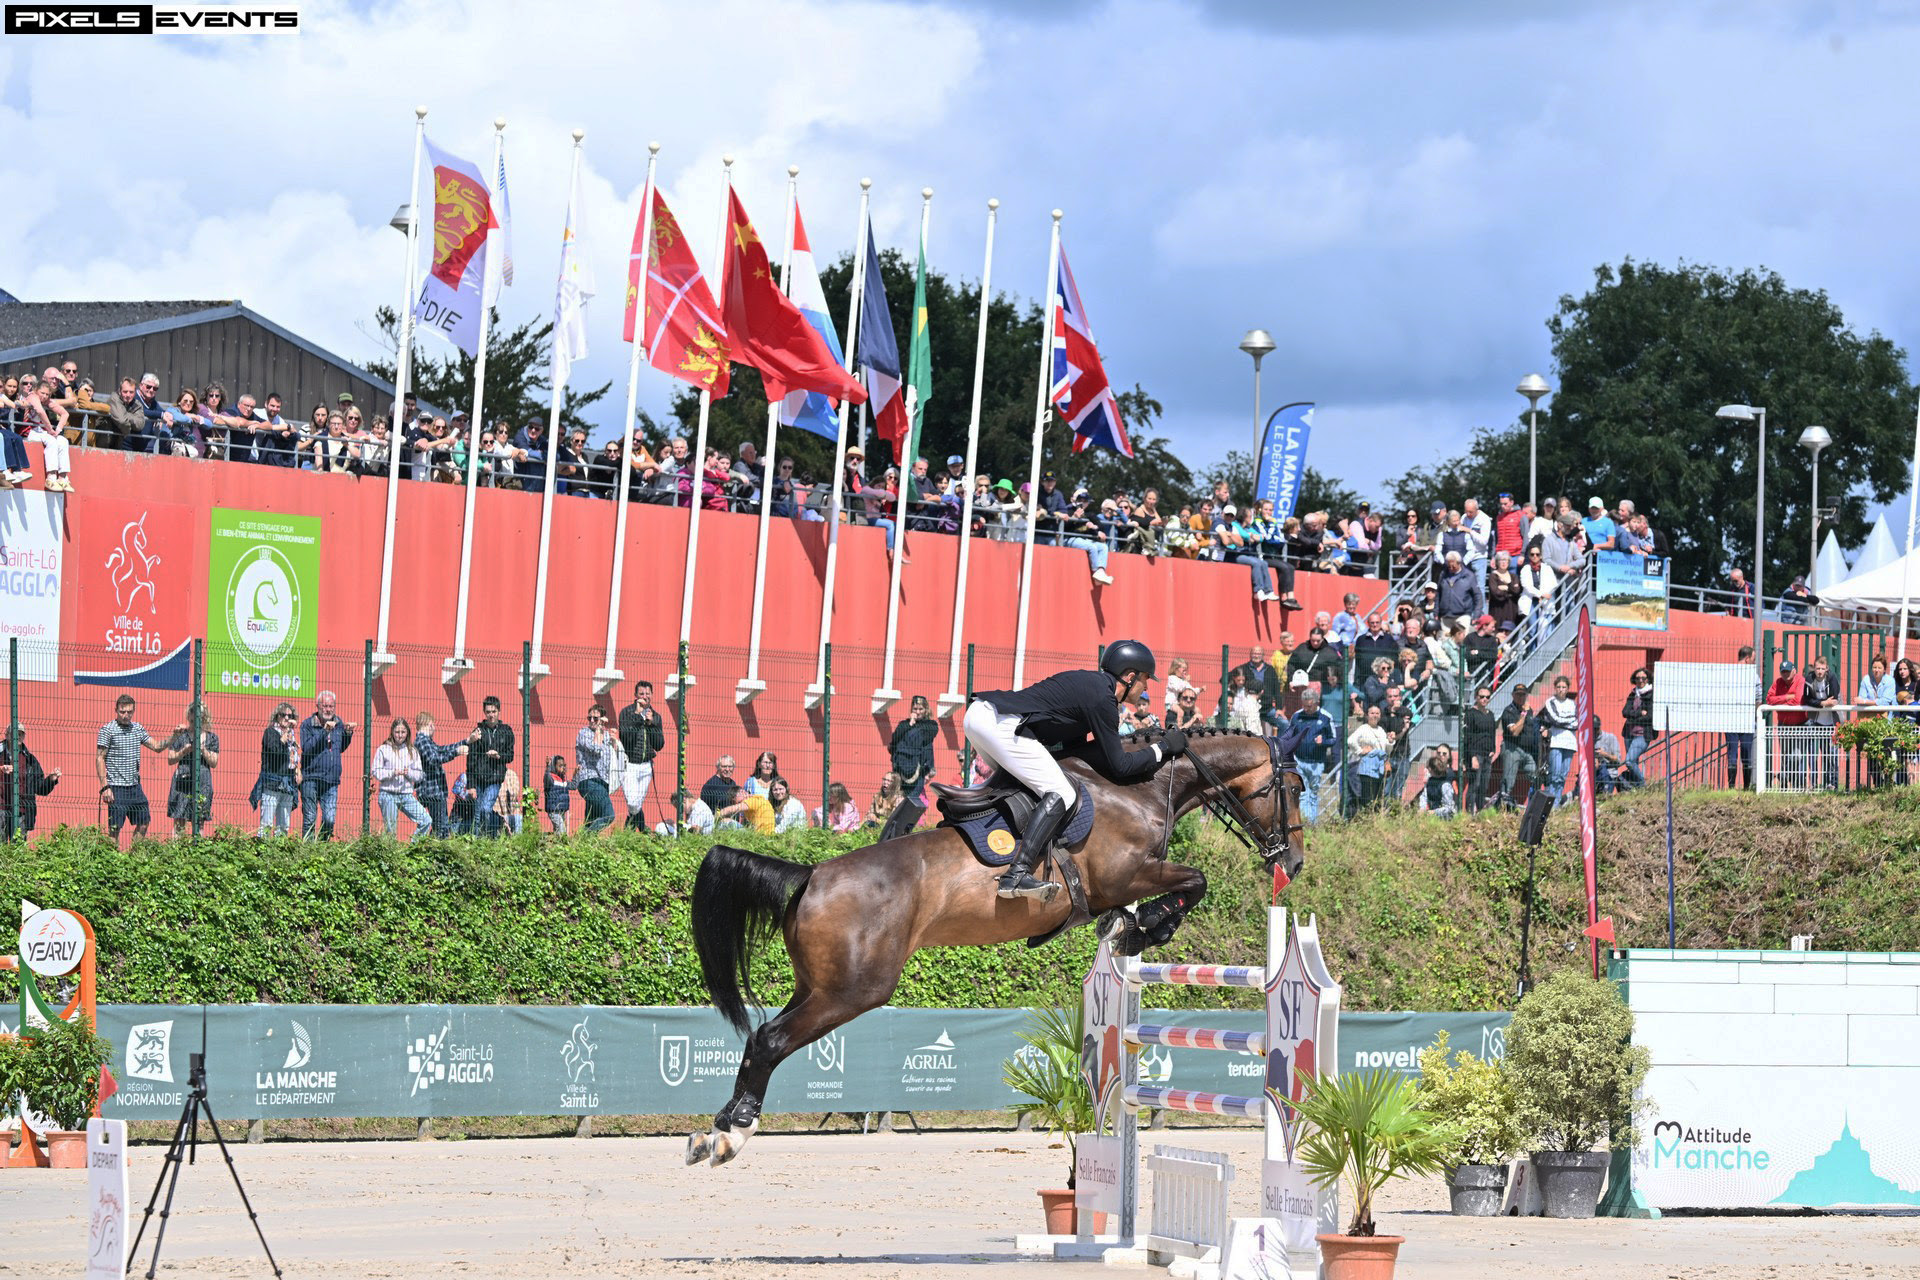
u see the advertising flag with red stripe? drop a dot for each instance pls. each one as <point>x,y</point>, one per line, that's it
<point>766,330</point>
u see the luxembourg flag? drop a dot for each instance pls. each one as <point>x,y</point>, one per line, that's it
<point>810,410</point>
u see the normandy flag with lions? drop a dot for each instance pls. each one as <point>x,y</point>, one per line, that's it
<point>464,220</point>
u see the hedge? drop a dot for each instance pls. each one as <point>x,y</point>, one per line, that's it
<point>1415,912</point>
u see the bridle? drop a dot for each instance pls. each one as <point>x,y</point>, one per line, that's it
<point>1273,840</point>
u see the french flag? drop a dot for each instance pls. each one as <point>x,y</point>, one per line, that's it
<point>810,410</point>
<point>879,357</point>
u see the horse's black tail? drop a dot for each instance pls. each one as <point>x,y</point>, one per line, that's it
<point>739,899</point>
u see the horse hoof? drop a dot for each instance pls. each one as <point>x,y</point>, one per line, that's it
<point>729,1144</point>
<point>699,1147</point>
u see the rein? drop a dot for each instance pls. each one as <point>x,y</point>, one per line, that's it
<point>1273,842</point>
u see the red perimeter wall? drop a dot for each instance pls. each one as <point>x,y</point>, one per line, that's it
<point>1180,608</point>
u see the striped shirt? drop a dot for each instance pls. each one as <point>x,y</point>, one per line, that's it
<point>123,752</point>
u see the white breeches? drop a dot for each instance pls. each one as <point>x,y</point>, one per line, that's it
<point>55,447</point>
<point>993,736</point>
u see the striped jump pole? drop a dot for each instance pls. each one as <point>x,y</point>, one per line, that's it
<point>1299,1041</point>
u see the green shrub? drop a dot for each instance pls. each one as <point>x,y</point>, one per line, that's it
<point>1574,1069</point>
<point>61,1071</point>
<point>1474,1098</point>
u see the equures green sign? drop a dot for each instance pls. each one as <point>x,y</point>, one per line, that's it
<point>263,597</point>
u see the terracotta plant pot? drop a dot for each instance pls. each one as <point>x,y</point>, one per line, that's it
<point>67,1148</point>
<point>1060,1210</point>
<point>1359,1257</point>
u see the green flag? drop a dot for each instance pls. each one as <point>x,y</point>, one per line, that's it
<point>919,361</point>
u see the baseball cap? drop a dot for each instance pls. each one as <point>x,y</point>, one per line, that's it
<point>345,397</point>
<point>1228,510</point>
<point>1595,502</point>
<point>1786,666</point>
<point>1048,475</point>
<point>1437,507</point>
<point>1483,619</point>
<point>954,459</point>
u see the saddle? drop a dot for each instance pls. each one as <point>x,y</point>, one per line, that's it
<point>993,820</point>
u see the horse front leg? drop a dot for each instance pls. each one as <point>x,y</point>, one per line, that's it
<point>1172,890</point>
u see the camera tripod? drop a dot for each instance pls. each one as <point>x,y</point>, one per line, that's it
<point>183,1148</point>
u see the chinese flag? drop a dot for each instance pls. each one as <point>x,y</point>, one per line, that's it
<point>685,334</point>
<point>767,330</point>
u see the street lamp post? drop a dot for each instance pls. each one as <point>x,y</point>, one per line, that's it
<point>1257,344</point>
<point>1753,413</point>
<point>1813,440</point>
<point>1533,386</point>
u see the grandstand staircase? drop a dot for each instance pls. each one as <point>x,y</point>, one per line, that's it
<point>1542,644</point>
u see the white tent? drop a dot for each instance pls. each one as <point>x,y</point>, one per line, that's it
<point>1876,588</point>
<point>1878,551</point>
<point>1830,570</point>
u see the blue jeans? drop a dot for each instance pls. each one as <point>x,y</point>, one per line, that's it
<point>319,802</point>
<point>1096,551</point>
<point>886,523</point>
<point>1262,576</point>
<point>1636,747</point>
<point>1559,759</point>
<point>1739,759</point>
<point>1311,774</point>
<point>276,811</point>
<point>395,803</point>
<point>599,803</point>
<point>485,821</point>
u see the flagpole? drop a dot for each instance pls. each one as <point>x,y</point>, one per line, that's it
<point>953,699</point>
<point>382,658</point>
<point>536,669</point>
<point>699,458</point>
<point>886,695</point>
<point>1913,514</point>
<point>459,664</point>
<point>751,685</point>
<point>609,675</point>
<point>818,688</point>
<point>1033,479</point>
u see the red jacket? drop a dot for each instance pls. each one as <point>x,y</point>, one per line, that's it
<point>1786,691</point>
<point>1510,533</point>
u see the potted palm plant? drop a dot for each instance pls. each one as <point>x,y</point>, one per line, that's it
<point>1474,1099</point>
<point>1575,1074</point>
<point>60,1075</point>
<point>1047,1070</point>
<point>1366,1130</point>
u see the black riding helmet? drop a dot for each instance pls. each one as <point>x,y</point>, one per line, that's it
<point>1123,656</point>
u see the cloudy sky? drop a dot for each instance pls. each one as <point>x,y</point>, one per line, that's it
<point>1399,189</point>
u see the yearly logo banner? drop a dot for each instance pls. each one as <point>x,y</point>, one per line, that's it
<point>1283,457</point>
<point>263,575</point>
<point>134,575</point>
<point>31,528</point>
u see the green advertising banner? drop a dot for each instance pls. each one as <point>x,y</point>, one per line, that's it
<point>263,598</point>
<point>344,1061</point>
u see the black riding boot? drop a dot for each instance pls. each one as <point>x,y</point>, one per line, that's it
<point>1017,881</point>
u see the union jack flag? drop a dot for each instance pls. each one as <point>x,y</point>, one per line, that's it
<point>1080,389</point>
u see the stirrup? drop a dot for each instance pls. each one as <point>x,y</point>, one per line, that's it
<point>1021,884</point>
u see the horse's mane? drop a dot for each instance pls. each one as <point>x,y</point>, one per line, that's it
<point>1197,733</point>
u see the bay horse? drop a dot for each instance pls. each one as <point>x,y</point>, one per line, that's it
<point>851,922</point>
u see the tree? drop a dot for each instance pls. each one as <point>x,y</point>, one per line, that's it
<point>1006,401</point>
<point>518,388</point>
<point>1645,358</point>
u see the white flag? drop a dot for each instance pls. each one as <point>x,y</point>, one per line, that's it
<point>576,286</point>
<point>449,304</point>
<point>499,239</point>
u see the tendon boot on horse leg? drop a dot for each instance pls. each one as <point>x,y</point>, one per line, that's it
<point>1018,881</point>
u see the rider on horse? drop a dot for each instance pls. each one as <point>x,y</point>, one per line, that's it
<point>1019,731</point>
